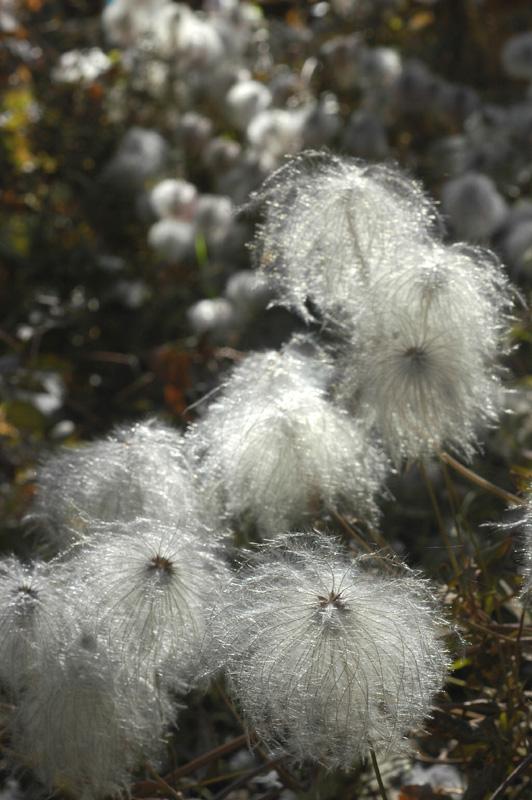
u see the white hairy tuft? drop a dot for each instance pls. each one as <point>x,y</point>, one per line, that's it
<point>328,656</point>
<point>272,446</point>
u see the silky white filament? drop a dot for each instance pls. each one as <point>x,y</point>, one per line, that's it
<point>327,656</point>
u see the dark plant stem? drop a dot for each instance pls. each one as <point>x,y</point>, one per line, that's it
<point>500,792</point>
<point>378,775</point>
<point>439,517</point>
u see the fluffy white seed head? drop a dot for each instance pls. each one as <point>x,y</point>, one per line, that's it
<point>272,446</point>
<point>214,214</point>
<point>82,724</point>
<point>141,155</point>
<point>378,67</point>
<point>422,366</point>
<point>246,99</point>
<point>174,239</point>
<point>194,132</point>
<point>475,207</point>
<point>29,606</point>
<point>248,291</point>
<point>174,198</point>
<point>139,470</point>
<point>277,131</point>
<point>146,586</point>
<point>83,66</point>
<point>125,22</point>
<point>219,317</point>
<point>328,656</point>
<point>196,42</point>
<point>221,155</point>
<point>331,225</point>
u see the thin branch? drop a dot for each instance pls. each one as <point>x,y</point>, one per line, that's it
<point>286,779</point>
<point>248,776</point>
<point>348,527</point>
<point>145,787</point>
<point>495,634</point>
<point>439,517</point>
<point>500,792</point>
<point>485,484</point>
<point>213,755</point>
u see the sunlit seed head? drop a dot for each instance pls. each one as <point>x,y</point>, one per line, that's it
<point>421,367</point>
<point>273,447</point>
<point>138,470</point>
<point>84,719</point>
<point>328,655</point>
<point>145,587</point>
<point>30,616</point>
<point>333,225</point>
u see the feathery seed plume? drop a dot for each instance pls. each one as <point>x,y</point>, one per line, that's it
<point>140,470</point>
<point>81,726</point>
<point>327,657</point>
<point>421,367</point>
<point>29,610</point>
<point>146,586</point>
<point>333,224</point>
<point>272,445</point>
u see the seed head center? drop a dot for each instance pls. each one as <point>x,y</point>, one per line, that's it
<point>334,600</point>
<point>417,358</point>
<point>162,564</point>
<point>416,353</point>
<point>28,591</point>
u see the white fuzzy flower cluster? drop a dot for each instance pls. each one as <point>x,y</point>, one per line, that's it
<point>138,471</point>
<point>246,294</point>
<point>273,447</point>
<point>328,657</point>
<point>142,153</point>
<point>85,718</point>
<point>333,227</point>
<point>95,644</point>
<point>146,585</point>
<point>27,620</point>
<point>420,323</point>
<point>78,713</point>
<point>239,111</point>
<point>171,30</point>
<point>475,208</point>
<point>191,227</point>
